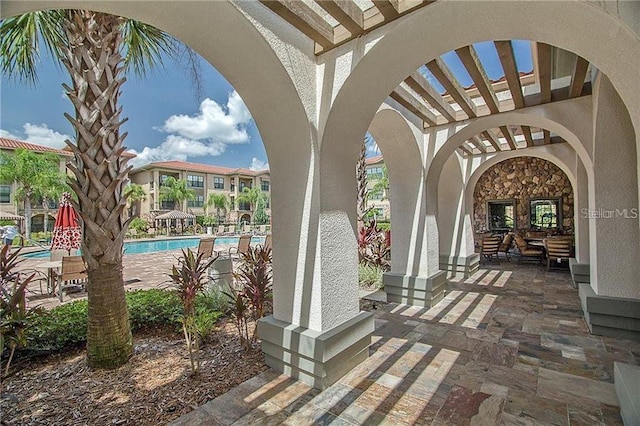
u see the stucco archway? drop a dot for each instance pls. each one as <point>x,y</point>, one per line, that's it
<point>228,40</point>
<point>402,50</point>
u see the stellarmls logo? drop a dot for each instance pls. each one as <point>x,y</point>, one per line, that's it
<point>609,214</point>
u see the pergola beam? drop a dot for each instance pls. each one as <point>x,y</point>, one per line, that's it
<point>577,77</point>
<point>346,12</point>
<point>465,150</point>
<point>440,71</point>
<point>547,137</point>
<point>423,88</point>
<point>526,131</point>
<point>508,61</point>
<point>492,138</point>
<point>410,102</point>
<point>543,55</point>
<point>388,8</point>
<point>305,19</point>
<point>475,141</point>
<point>471,62</point>
<point>508,135</point>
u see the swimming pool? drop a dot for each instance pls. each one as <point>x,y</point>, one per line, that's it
<point>140,247</point>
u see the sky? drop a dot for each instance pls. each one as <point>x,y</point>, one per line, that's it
<point>169,120</point>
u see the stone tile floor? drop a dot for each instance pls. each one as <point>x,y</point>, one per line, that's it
<point>507,346</point>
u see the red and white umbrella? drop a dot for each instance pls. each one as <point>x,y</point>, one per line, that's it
<point>67,234</point>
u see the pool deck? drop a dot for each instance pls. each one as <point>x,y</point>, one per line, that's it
<point>141,271</point>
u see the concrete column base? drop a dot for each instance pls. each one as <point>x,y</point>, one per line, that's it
<point>627,383</point>
<point>415,291</point>
<point>580,272</point>
<point>316,358</point>
<point>455,265</point>
<point>610,316</point>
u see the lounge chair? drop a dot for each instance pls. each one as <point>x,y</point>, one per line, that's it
<point>490,246</point>
<point>220,230</point>
<point>558,252</point>
<point>231,230</point>
<point>262,229</point>
<point>244,241</point>
<point>526,251</point>
<point>246,229</point>
<point>72,274</point>
<point>205,248</point>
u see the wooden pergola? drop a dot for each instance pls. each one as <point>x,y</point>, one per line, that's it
<point>331,23</point>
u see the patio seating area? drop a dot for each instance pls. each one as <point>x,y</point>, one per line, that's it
<point>505,346</point>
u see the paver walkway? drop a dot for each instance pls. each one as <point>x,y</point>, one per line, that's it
<point>506,346</point>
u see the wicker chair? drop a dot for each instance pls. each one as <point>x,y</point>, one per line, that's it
<point>558,252</point>
<point>526,251</point>
<point>490,246</point>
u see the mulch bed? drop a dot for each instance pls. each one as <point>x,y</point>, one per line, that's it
<point>154,387</point>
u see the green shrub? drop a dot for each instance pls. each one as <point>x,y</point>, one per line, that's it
<point>149,308</point>
<point>66,325</point>
<point>384,226</point>
<point>370,276</point>
<point>139,224</point>
<point>62,326</point>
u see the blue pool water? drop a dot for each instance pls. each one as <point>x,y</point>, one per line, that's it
<point>139,247</point>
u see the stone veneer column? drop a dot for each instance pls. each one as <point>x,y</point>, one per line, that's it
<point>611,302</point>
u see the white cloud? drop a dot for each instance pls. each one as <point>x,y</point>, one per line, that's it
<point>39,134</point>
<point>206,133</point>
<point>257,165</point>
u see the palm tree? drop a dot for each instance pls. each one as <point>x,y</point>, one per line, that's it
<point>34,173</point>
<point>134,193</point>
<point>176,190</point>
<point>53,190</point>
<point>219,202</point>
<point>90,45</point>
<point>250,196</point>
<point>382,185</point>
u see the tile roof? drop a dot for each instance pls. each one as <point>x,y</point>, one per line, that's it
<point>203,168</point>
<point>6,143</point>
<point>374,160</point>
<point>13,144</point>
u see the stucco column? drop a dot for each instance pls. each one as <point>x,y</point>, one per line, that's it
<point>581,216</point>
<point>611,302</point>
<point>455,229</point>
<point>317,332</point>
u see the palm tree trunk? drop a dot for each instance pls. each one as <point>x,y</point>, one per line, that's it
<point>94,63</point>
<point>361,177</point>
<point>27,217</point>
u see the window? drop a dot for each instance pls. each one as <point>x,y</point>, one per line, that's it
<point>242,186</point>
<point>195,181</point>
<point>232,203</point>
<point>374,172</point>
<point>168,205</point>
<point>218,182</point>
<point>545,213</point>
<point>233,186</point>
<point>501,214</point>
<point>5,194</point>
<point>265,185</point>
<point>163,178</point>
<point>375,195</point>
<point>198,201</point>
<point>244,206</point>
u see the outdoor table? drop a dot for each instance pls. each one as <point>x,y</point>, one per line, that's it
<point>51,266</point>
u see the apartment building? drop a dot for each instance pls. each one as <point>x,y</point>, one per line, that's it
<point>205,180</point>
<point>377,199</point>
<point>8,190</point>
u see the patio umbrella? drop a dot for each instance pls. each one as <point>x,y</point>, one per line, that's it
<point>67,234</point>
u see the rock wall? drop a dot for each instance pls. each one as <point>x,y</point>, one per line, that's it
<point>522,178</point>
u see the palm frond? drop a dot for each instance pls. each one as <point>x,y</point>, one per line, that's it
<point>145,46</point>
<point>20,39</point>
